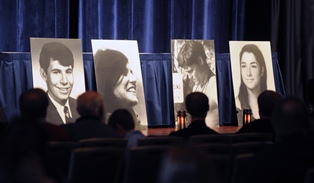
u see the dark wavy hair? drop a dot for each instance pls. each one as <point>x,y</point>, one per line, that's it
<point>251,48</point>
<point>56,51</point>
<point>110,65</point>
<point>190,52</point>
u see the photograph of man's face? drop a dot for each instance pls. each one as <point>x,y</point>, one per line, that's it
<point>59,80</point>
<point>57,66</point>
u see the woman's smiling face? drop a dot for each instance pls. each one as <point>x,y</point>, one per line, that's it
<point>250,71</point>
<point>125,89</point>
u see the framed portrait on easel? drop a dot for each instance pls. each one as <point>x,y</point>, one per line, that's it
<point>193,70</point>
<point>57,68</point>
<point>252,73</point>
<point>119,77</point>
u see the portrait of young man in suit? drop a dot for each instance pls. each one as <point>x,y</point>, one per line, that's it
<point>56,69</point>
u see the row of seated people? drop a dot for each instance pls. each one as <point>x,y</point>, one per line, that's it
<point>25,139</point>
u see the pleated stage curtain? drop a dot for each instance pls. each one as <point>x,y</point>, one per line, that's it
<point>154,23</point>
<point>16,77</point>
<point>21,20</point>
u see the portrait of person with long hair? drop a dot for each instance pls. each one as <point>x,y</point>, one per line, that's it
<point>118,83</point>
<point>255,77</point>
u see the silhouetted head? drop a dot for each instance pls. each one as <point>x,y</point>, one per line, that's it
<point>197,104</point>
<point>90,103</point>
<point>310,91</point>
<point>121,120</point>
<point>290,119</point>
<point>267,101</point>
<point>33,104</point>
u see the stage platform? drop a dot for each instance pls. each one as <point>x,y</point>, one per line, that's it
<point>156,131</point>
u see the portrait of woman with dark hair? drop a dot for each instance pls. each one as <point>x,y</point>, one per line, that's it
<point>253,78</point>
<point>119,78</point>
<point>116,81</point>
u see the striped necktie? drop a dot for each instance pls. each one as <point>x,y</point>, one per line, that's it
<point>67,114</point>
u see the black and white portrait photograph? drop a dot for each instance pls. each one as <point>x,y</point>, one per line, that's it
<point>193,69</point>
<point>119,77</point>
<point>252,73</point>
<point>57,68</point>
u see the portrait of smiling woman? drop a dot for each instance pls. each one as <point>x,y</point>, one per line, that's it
<point>254,75</point>
<point>118,81</point>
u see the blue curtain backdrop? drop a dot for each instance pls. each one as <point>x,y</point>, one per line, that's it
<point>21,20</point>
<point>154,23</point>
<point>16,77</point>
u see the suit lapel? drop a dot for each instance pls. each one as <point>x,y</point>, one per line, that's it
<point>53,116</point>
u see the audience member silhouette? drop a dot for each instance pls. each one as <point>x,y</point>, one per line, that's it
<point>267,101</point>
<point>310,97</point>
<point>292,154</point>
<point>3,122</point>
<point>23,156</point>
<point>91,123</point>
<point>121,120</point>
<point>24,143</point>
<point>197,106</point>
<point>33,104</point>
<point>184,164</point>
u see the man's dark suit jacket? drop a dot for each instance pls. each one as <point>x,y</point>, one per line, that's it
<point>89,127</point>
<point>53,116</point>
<point>257,126</point>
<point>197,127</point>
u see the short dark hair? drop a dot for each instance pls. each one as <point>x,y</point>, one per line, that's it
<point>56,51</point>
<point>196,104</point>
<point>190,52</point>
<point>33,103</point>
<point>123,118</point>
<point>267,101</point>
